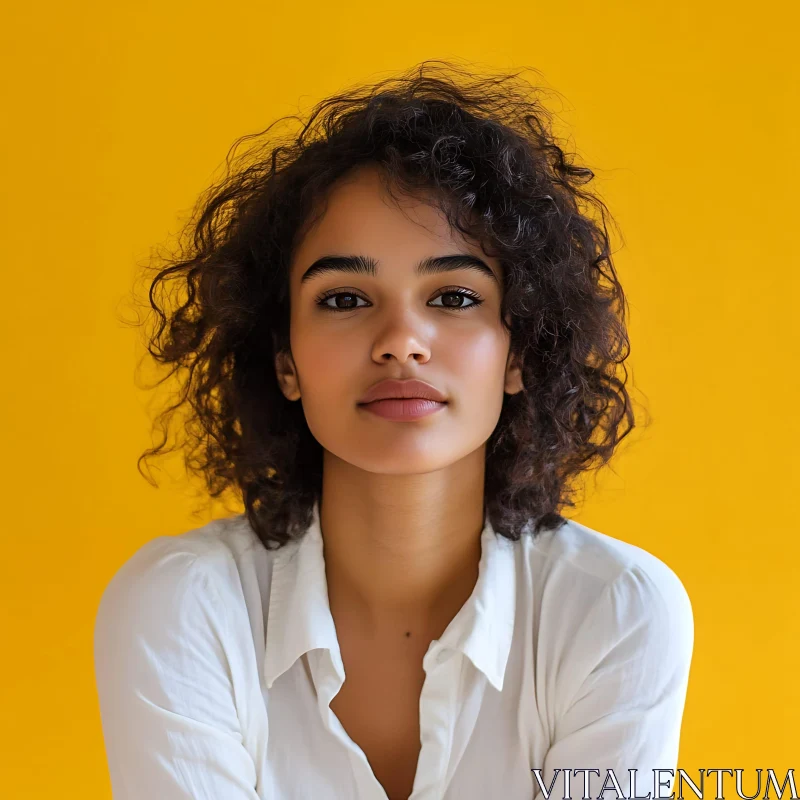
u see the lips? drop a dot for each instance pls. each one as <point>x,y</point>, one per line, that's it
<point>402,389</point>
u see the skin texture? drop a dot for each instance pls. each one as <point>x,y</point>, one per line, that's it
<point>402,502</point>
<point>402,506</point>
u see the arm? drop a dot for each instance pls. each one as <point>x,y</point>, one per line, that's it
<point>166,696</point>
<point>623,689</point>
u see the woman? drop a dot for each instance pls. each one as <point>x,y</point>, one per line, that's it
<point>400,333</point>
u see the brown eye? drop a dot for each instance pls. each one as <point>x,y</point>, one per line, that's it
<point>455,300</point>
<point>349,303</point>
<point>452,299</point>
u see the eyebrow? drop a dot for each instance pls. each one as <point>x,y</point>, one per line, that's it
<point>365,265</point>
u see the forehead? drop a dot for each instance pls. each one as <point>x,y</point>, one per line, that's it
<point>359,215</point>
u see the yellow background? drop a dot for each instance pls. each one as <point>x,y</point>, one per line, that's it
<point>117,115</point>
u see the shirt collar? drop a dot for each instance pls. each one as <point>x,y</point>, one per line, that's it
<point>299,615</point>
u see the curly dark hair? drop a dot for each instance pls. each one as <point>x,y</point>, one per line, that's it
<point>484,143</point>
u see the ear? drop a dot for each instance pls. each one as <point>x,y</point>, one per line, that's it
<point>286,372</point>
<point>513,382</point>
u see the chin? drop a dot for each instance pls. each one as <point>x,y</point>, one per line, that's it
<point>395,459</point>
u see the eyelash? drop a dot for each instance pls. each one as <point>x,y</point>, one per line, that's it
<point>476,299</point>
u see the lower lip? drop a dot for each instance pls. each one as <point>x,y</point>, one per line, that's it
<point>402,410</point>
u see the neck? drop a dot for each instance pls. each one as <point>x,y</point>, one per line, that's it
<point>401,551</point>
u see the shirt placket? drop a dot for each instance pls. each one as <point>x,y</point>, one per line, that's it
<point>328,674</point>
<point>438,707</point>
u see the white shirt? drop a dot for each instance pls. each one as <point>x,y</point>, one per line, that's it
<point>216,661</point>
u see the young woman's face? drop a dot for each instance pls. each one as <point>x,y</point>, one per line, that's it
<point>350,330</point>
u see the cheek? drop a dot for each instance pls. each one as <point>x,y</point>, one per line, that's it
<point>328,364</point>
<point>479,355</point>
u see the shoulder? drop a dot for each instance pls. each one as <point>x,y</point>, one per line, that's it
<point>600,600</point>
<point>171,578</point>
<point>175,656</point>
<point>577,560</point>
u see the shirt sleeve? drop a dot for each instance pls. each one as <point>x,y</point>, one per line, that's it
<point>166,693</point>
<point>622,690</point>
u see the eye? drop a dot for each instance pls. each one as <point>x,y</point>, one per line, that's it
<point>351,301</point>
<point>459,295</point>
<point>455,300</point>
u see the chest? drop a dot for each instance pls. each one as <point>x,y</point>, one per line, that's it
<point>378,706</point>
<point>478,743</point>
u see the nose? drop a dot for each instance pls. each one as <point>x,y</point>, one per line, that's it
<point>402,337</point>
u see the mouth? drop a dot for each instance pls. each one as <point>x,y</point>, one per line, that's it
<point>398,399</point>
<point>408,389</point>
<point>403,409</point>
